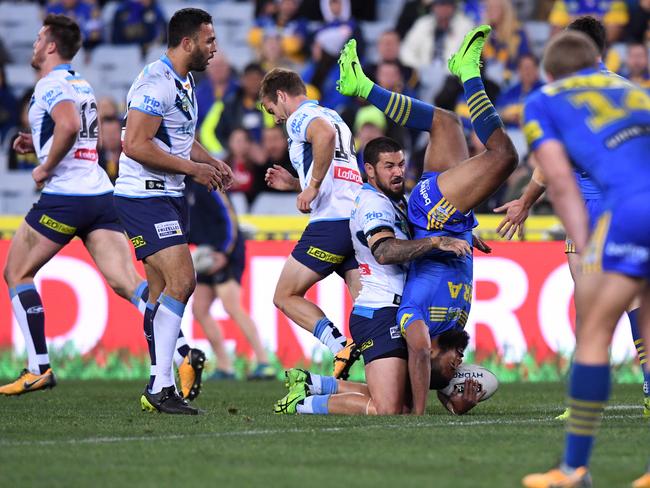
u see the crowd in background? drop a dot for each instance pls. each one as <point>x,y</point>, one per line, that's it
<point>409,58</point>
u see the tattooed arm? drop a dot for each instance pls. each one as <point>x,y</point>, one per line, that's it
<point>387,249</point>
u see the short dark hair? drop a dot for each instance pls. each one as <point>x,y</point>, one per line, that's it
<point>186,22</point>
<point>453,339</point>
<point>593,28</point>
<point>253,68</point>
<point>378,146</point>
<point>284,80</point>
<point>568,52</point>
<point>65,33</point>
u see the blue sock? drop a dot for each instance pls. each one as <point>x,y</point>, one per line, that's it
<point>588,393</point>
<point>140,296</point>
<point>329,385</point>
<point>401,109</point>
<point>316,405</point>
<point>329,335</point>
<point>639,343</point>
<point>484,116</point>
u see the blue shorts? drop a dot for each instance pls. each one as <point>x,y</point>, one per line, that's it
<point>438,292</point>
<point>594,208</point>
<point>61,217</point>
<point>234,268</point>
<point>620,243</point>
<point>154,223</point>
<point>326,247</point>
<point>377,334</point>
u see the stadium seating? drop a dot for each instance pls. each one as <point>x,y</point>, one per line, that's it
<point>19,24</point>
<point>112,69</point>
<point>274,204</point>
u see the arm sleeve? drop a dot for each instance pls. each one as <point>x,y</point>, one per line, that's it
<point>538,126</point>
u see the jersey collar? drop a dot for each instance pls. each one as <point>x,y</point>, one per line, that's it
<point>315,102</point>
<point>368,186</point>
<point>165,59</point>
<point>63,66</point>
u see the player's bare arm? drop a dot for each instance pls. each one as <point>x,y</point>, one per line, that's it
<point>280,179</point>
<point>517,210</point>
<point>66,129</point>
<point>563,191</point>
<point>387,249</point>
<point>201,155</point>
<point>322,137</point>
<point>139,145</point>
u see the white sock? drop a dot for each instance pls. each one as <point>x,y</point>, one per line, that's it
<point>166,324</point>
<point>180,342</point>
<point>316,387</point>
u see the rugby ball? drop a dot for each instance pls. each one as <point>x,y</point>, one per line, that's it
<point>487,380</point>
<point>203,259</point>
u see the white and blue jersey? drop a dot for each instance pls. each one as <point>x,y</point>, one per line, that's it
<point>373,212</point>
<point>160,91</point>
<point>78,173</point>
<point>342,181</point>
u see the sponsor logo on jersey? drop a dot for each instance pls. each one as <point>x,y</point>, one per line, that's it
<point>629,251</point>
<point>347,174</point>
<point>137,241</point>
<point>86,154</point>
<point>154,185</point>
<point>364,269</point>
<point>51,96</point>
<point>296,123</point>
<point>56,226</point>
<point>35,309</point>
<point>424,187</point>
<point>394,332</point>
<point>150,104</point>
<point>325,256</point>
<point>373,215</point>
<point>167,229</point>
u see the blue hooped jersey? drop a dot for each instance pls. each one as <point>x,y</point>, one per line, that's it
<point>430,214</point>
<point>603,121</point>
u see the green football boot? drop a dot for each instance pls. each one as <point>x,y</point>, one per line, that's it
<point>466,62</point>
<point>295,376</point>
<point>352,81</point>
<point>288,403</point>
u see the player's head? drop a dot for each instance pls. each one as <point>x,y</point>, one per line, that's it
<point>451,350</point>
<point>60,36</point>
<point>385,166</point>
<point>569,52</point>
<point>279,89</point>
<point>191,30</point>
<point>593,28</point>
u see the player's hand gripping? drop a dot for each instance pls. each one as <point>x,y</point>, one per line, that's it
<point>24,144</point>
<point>308,195</point>
<point>458,246</point>
<point>225,173</point>
<point>207,175</point>
<point>280,179</point>
<point>480,244</point>
<point>516,215</point>
<point>40,176</point>
<point>462,402</point>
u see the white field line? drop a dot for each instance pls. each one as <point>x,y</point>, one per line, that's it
<point>271,432</point>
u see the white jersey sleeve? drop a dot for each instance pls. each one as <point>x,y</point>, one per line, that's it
<point>78,172</point>
<point>158,91</point>
<point>342,180</point>
<point>381,285</point>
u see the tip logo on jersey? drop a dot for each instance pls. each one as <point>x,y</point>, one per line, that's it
<point>296,124</point>
<point>150,104</point>
<point>51,96</point>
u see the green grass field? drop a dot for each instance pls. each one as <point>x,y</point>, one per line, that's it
<point>92,433</point>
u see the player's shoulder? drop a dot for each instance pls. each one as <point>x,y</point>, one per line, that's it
<point>156,72</point>
<point>299,120</point>
<point>369,197</point>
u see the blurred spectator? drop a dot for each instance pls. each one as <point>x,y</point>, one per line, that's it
<point>8,108</point>
<point>388,47</point>
<point>276,150</point>
<point>87,15</point>
<point>271,54</point>
<point>107,107</point>
<point>242,109</point>
<point>435,35</point>
<point>510,103</point>
<point>613,13</point>
<point>369,124</point>
<point>321,74</point>
<point>638,29</point>
<point>636,65</point>
<point>29,161</point>
<point>218,84</point>
<point>139,22</point>
<point>411,11</point>
<point>5,58</point>
<point>284,21</point>
<point>109,146</point>
<point>507,43</point>
<point>244,157</point>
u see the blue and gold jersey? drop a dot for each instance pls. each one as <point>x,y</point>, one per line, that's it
<point>430,214</point>
<point>603,122</point>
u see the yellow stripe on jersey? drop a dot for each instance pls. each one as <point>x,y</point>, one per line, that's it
<point>408,111</point>
<point>593,259</point>
<point>439,214</point>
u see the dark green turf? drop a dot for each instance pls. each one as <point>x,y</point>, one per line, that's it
<point>93,434</point>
